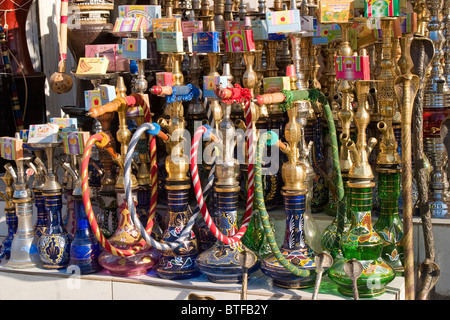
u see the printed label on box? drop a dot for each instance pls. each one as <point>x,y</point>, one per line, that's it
<point>11,148</point>
<point>239,41</point>
<point>92,65</point>
<point>92,99</point>
<point>205,42</point>
<point>74,142</point>
<point>149,12</point>
<point>189,27</point>
<point>43,133</point>
<point>352,67</point>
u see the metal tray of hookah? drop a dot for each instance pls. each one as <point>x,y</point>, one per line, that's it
<point>132,34</point>
<point>96,76</point>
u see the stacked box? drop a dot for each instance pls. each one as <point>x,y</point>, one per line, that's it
<point>352,67</point>
<point>283,21</point>
<point>107,93</point>
<point>114,54</point>
<point>335,11</point>
<point>74,142</point>
<point>92,99</point>
<point>205,42</point>
<point>164,78</point>
<point>43,133</point>
<point>128,24</point>
<point>189,27</point>
<point>11,148</point>
<point>239,41</point>
<point>149,12</point>
<point>210,82</point>
<point>276,84</point>
<point>134,48</point>
<point>382,8</point>
<point>169,41</point>
<point>93,65</point>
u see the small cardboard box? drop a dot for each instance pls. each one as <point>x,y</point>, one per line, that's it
<point>92,99</point>
<point>239,41</point>
<point>283,21</point>
<point>149,12</point>
<point>381,8</point>
<point>335,11</point>
<point>92,65</point>
<point>166,25</point>
<point>65,123</point>
<point>259,28</point>
<point>234,25</point>
<point>205,42</point>
<point>189,27</point>
<point>134,48</point>
<point>107,93</point>
<point>114,54</point>
<point>352,67</point>
<point>210,82</point>
<point>309,25</point>
<point>169,41</point>
<point>276,84</point>
<point>164,78</point>
<point>74,142</point>
<point>128,24</point>
<point>11,148</point>
<point>43,133</point>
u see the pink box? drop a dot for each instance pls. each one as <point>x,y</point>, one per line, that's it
<point>164,78</point>
<point>352,67</point>
<point>234,25</point>
<point>113,52</point>
<point>239,41</point>
<point>128,24</point>
<point>189,27</point>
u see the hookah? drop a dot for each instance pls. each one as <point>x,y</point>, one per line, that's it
<point>333,232</point>
<point>294,265</point>
<point>40,171</point>
<point>84,248</point>
<point>221,262</point>
<point>124,253</point>
<point>389,225</point>
<point>177,262</point>
<point>24,250</point>
<point>361,242</point>
<point>10,215</point>
<point>54,242</point>
<point>435,110</point>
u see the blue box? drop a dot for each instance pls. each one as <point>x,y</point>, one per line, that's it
<point>134,48</point>
<point>205,42</point>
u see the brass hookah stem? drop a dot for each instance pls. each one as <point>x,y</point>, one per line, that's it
<point>388,155</point>
<point>219,9</point>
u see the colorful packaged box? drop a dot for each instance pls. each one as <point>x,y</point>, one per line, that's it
<point>11,148</point>
<point>92,99</point>
<point>43,133</point>
<point>239,41</point>
<point>352,67</point>
<point>164,78</point>
<point>189,27</point>
<point>259,28</point>
<point>283,21</point>
<point>381,8</point>
<point>166,25</point>
<point>149,12</point>
<point>107,93</point>
<point>134,48</point>
<point>65,123</point>
<point>93,65</point>
<point>114,54</point>
<point>74,142</point>
<point>23,134</point>
<point>276,84</point>
<point>234,25</point>
<point>335,11</point>
<point>205,42</point>
<point>308,25</point>
<point>128,24</point>
<point>210,82</point>
<point>169,41</point>
<point>408,22</point>
<point>331,31</point>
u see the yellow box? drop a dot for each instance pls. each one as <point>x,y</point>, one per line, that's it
<point>93,65</point>
<point>335,11</point>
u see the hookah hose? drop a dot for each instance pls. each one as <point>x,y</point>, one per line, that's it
<point>102,141</point>
<point>271,139</point>
<point>154,130</point>
<point>198,188</point>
